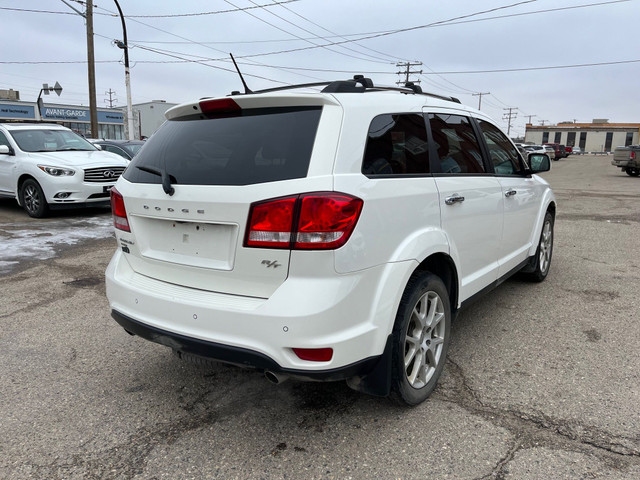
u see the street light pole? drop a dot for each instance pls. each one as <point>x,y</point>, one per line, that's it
<point>127,77</point>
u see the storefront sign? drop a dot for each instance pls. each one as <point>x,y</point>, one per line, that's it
<point>79,114</point>
<point>8,110</point>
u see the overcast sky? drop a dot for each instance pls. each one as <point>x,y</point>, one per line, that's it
<point>44,41</point>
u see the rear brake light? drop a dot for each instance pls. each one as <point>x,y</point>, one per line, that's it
<point>326,220</point>
<point>119,212</point>
<point>270,223</point>
<point>220,106</point>
<point>314,354</point>
<point>311,221</point>
<point>632,156</point>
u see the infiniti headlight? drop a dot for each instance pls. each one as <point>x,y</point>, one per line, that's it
<point>57,171</point>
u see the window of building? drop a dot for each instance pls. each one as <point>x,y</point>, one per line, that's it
<point>629,140</point>
<point>571,139</point>
<point>557,137</point>
<point>608,141</point>
<point>504,155</point>
<point>583,141</point>
<point>396,145</point>
<point>545,137</point>
<point>456,144</point>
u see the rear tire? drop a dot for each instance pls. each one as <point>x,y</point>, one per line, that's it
<point>32,199</point>
<point>633,172</point>
<point>421,337</point>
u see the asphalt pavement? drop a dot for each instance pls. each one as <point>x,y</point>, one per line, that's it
<point>542,380</point>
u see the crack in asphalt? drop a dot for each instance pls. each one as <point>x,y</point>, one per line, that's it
<point>538,430</point>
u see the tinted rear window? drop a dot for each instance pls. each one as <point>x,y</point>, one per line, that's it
<point>260,145</point>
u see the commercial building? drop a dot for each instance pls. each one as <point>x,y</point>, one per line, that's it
<point>598,136</point>
<point>78,119</point>
<point>111,121</point>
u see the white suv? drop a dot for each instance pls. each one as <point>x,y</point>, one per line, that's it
<point>327,236</point>
<point>48,166</point>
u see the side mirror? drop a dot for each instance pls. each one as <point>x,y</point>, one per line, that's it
<point>6,150</point>
<point>539,162</point>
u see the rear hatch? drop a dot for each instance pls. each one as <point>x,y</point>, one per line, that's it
<point>622,155</point>
<point>188,193</point>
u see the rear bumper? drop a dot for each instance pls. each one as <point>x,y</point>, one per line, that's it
<point>624,163</point>
<point>241,357</point>
<point>352,314</point>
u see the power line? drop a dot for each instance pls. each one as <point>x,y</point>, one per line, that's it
<point>527,69</point>
<point>392,57</point>
<point>400,30</point>
<point>294,35</point>
<point>176,15</point>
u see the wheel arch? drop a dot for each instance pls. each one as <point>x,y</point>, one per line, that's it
<point>444,267</point>
<point>21,179</point>
<point>548,205</point>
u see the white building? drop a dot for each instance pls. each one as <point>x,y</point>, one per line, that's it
<point>147,117</point>
<point>598,136</point>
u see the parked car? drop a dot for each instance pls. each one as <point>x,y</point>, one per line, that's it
<point>627,159</point>
<point>568,151</point>
<point>576,151</point>
<point>542,149</point>
<point>125,148</point>
<point>558,149</point>
<point>324,236</point>
<point>47,166</point>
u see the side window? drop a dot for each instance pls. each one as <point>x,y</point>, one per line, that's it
<point>504,155</point>
<point>396,145</point>
<point>112,149</point>
<point>3,140</point>
<point>456,143</point>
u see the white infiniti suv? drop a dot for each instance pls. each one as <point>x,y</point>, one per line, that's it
<point>47,166</point>
<point>327,236</point>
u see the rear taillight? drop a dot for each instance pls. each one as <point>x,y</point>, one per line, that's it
<point>270,223</point>
<point>310,221</point>
<point>632,155</point>
<point>119,212</point>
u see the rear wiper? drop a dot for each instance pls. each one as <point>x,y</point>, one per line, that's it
<point>166,178</point>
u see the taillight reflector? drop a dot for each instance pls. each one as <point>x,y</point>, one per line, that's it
<point>119,212</point>
<point>314,354</point>
<point>219,106</point>
<point>311,221</point>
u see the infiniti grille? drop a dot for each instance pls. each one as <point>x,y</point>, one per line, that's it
<point>103,174</point>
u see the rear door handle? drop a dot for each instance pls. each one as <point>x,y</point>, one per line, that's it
<point>455,198</point>
<point>510,193</point>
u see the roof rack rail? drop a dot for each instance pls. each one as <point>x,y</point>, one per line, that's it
<point>358,84</point>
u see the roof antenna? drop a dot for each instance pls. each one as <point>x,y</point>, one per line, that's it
<point>246,88</point>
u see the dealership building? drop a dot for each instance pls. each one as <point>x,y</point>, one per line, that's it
<point>597,136</point>
<point>111,121</point>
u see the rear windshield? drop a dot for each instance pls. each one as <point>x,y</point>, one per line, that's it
<point>257,146</point>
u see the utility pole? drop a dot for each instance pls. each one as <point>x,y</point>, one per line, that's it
<point>511,115</point>
<point>479,95</point>
<point>408,72</point>
<point>542,122</point>
<point>93,111</point>
<point>111,99</point>
<point>530,117</point>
